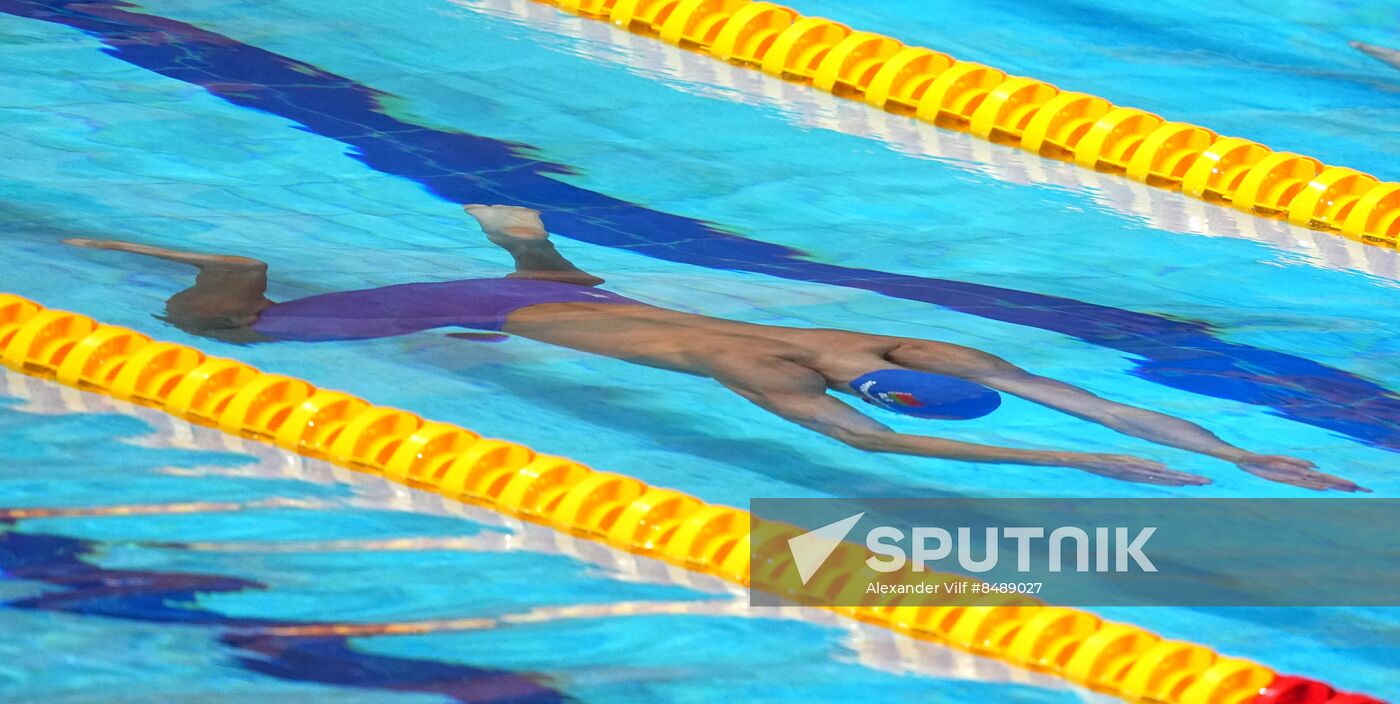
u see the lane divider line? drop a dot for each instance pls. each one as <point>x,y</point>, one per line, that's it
<point>1014,110</point>
<point>611,508</point>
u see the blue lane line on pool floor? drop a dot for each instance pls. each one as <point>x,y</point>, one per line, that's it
<point>466,168</point>
<point>174,598</point>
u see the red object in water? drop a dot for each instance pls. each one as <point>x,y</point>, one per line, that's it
<point>1353,699</point>
<point>1288,689</point>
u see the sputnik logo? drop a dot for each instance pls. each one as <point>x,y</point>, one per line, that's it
<point>811,549</point>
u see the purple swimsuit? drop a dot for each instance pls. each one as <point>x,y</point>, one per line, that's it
<point>398,310</point>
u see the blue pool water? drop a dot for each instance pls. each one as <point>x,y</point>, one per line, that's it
<point>227,573</point>
<point>330,142</point>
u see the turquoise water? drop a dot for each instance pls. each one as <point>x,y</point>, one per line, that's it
<point>1278,72</point>
<point>315,546</point>
<point>94,145</point>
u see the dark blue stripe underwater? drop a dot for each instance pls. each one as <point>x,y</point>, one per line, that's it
<point>465,168</point>
<point>79,587</point>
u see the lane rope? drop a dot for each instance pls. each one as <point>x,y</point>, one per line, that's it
<point>611,508</point>
<point>1032,114</point>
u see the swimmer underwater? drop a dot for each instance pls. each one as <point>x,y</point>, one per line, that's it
<point>787,371</point>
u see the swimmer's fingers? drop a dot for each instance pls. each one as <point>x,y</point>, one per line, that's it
<point>1170,477</point>
<point>1137,469</point>
<point>1296,472</point>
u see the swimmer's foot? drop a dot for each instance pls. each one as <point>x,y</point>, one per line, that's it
<point>521,232</point>
<point>193,258</point>
<point>504,223</point>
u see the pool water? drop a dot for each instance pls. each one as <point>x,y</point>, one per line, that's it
<point>332,142</point>
<point>240,568</point>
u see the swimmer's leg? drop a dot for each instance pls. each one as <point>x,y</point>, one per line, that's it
<point>520,232</point>
<point>227,295</point>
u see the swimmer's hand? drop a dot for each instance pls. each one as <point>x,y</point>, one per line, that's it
<point>1132,469</point>
<point>508,221</point>
<point>1291,470</point>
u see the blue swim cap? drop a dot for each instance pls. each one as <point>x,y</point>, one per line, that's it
<point>926,395</point>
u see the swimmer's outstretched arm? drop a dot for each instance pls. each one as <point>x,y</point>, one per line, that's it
<point>798,394</point>
<point>227,296</point>
<point>1156,427</point>
<point>520,232</point>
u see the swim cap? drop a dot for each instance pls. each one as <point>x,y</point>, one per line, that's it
<point>926,395</point>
